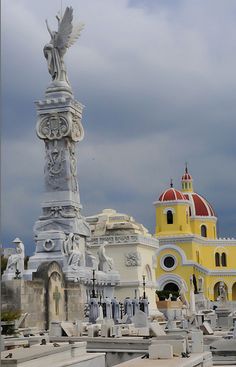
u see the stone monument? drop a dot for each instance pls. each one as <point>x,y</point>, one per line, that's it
<point>62,270</point>
<point>61,231</point>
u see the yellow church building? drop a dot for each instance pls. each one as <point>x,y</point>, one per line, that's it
<point>186,227</point>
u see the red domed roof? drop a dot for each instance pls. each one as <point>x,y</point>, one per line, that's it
<point>200,206</point>
<point>171,195</point>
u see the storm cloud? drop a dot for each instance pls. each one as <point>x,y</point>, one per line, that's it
<point>158,82</point>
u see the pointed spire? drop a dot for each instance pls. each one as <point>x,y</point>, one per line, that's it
<point>171,182</point>
<point>186,167</point>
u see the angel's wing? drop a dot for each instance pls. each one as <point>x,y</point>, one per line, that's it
<point>75,34</point>
<point>64,29</point>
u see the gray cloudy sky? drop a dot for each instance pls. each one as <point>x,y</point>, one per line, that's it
<point>158,81</point>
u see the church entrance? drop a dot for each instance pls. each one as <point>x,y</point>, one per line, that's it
<point>171,287</point>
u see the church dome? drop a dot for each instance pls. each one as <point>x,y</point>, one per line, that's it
<point>171,194</point>
<point>186,177</point>
<point>199,205</point>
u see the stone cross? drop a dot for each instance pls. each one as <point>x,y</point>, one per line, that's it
<point>56,297</point>
<point>144,284</point>
<point>93,295</point>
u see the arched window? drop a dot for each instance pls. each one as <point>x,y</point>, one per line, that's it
<point>223,259</point>
<point>217,259</point>
<point>186,216</point>
<point>203,231</point>
<point>169,216</point>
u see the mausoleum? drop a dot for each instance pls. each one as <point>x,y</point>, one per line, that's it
<point>132,248</point>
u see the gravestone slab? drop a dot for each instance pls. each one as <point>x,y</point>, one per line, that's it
<point>55,329</point>
<point>206,328</point>
<point>155,329</point>
<point>223,317</point>
<point>234,331</point>
<point>178,342</point>
<point>197,341</point>
<point>163,351</point>
<point>93,330</point>
<point>116,331</point>
<point>106,327</point>
<point>69,328</point>
<point>140,319</point>
<point>212,318</point>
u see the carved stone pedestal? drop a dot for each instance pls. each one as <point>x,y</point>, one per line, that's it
<point>59,125</point>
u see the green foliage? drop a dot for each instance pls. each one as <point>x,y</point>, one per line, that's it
<point>3,263</point>
<point>165,294</point>
<point>10,315</point>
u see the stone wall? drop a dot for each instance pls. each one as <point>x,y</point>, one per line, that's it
<point>26,296</point>
<point>75,301</point>
<point>48,297</point>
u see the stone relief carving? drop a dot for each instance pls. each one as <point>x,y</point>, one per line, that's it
<point>60,212</point>
<point>55,158</point>
<point>70,249</point>
<point>52,127</point>
<point>77,131</point>
<point>55,165</point>
<point>120,239</point>
<point>73,165</point>
<point>133,259</point>
<point>107,239</point>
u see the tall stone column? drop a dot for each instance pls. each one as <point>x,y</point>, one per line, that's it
<point>59,126</point>
<point>61,230</point>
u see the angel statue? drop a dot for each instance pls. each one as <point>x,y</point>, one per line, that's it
<point>55,50</point>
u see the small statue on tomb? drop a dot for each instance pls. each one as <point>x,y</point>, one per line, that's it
<point>105,262</point>
<point>182,295</point>
<point>192,306</point>
<point>16,261</point>
<point>200,284</point>
<point>222,293</point>
<point>71,250</point>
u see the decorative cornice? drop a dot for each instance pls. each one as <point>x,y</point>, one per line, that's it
<point>199,240</point>
<point>171,202</point>
<point>136,283</point>
<point>124,240</point>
